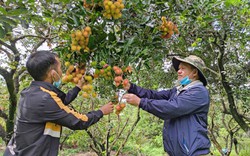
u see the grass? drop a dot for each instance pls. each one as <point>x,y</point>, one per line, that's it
<point>146,150</point>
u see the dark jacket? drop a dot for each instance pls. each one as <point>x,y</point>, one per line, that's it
<point>42,111</point>
<point>184,114</point>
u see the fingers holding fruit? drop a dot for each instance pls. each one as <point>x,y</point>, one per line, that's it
<point>107,109</point>
<point>132,99</point>
<point>81,82</point>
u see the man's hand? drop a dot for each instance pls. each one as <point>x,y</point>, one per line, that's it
<point>107,109</point>
<point>132,99</point>
<point>81,82</point>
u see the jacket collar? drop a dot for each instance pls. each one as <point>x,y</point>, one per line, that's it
<point>193,83</point>
<point>50,87</point>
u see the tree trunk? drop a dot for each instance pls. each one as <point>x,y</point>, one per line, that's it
<point>226,85</point>
<point>13,103</point>
<point>12,109</point>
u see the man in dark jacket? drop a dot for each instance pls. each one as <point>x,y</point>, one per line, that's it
<point>43,110</point>
<point>183,108</point>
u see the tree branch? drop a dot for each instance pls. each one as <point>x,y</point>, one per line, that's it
<point>211,131</point>
<point>2,133</point>
<point>38,45</point>
<point>3,115</point>
<point>212,71</point>
<point>96,143</point>
<point>118,135</point>
<point>129,133</point>
<point>6,52</point>
<point>17,79</point>
<point>4,73</point>
<point>25,36</point>
<point>7,45</point>
<point>228,88</point>
<point>16,57</point>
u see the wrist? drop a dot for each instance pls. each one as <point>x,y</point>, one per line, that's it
<point>80,87</point>
<point>139,101</point>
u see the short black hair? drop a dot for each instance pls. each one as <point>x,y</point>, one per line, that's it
<point>39,63</point>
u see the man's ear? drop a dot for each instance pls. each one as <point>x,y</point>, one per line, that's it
<point>196,73</point>
<point>53,73</point>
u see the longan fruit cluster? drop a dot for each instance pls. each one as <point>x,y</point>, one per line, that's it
<point>74,74</point>
<point>80,40</point>
<point>119,106</point>
<point>116,73</point>
<point>112,9</point>
<point>104,71</point>
<point>118,79</point>
<point>88,89</point>
<point>168,28</point>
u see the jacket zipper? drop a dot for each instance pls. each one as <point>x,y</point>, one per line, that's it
<point>185,146</point>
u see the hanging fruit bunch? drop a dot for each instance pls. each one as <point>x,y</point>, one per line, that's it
<point>112,9</point>
<point>80,40</point>
<point>74,74</point>
<point>113,75</point>
<point>168,28</point>
<point>88,89</point>
<point>119,108</point>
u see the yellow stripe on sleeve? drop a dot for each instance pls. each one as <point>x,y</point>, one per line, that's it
<point>64,107</point>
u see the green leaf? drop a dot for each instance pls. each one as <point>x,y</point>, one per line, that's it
<point>2,32</point>
<point>7,27</point>
<point>17,12</point>
<point>92,42</point>
<point>7,20</point>
<point>76,20</point>
<point>24,24</point>
<point>111,37</point>
<point>229,3</point>
<point>2,10</point>
<point>47,14</point>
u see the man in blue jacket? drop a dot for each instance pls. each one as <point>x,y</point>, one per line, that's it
<point>183,108</point>
<point>43,110</point>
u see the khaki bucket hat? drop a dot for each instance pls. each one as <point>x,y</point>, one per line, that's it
<point>194,61</point>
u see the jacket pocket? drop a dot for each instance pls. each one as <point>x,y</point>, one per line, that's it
<point>187,142</point>
<point>183,146</point>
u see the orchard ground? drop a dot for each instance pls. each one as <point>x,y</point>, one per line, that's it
<point>67,152</point>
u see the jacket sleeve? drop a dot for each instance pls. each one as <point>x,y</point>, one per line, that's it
<point>56,111</point>
<point>150,94</point>
<point>193,100</point>
<point>71,95</point>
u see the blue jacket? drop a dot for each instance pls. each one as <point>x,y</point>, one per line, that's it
<point>184,114</point>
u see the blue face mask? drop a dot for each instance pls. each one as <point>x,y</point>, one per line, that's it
<point>185,81</point>
<point>58,83</point>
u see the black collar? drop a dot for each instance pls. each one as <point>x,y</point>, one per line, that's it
<point>50,87</point>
